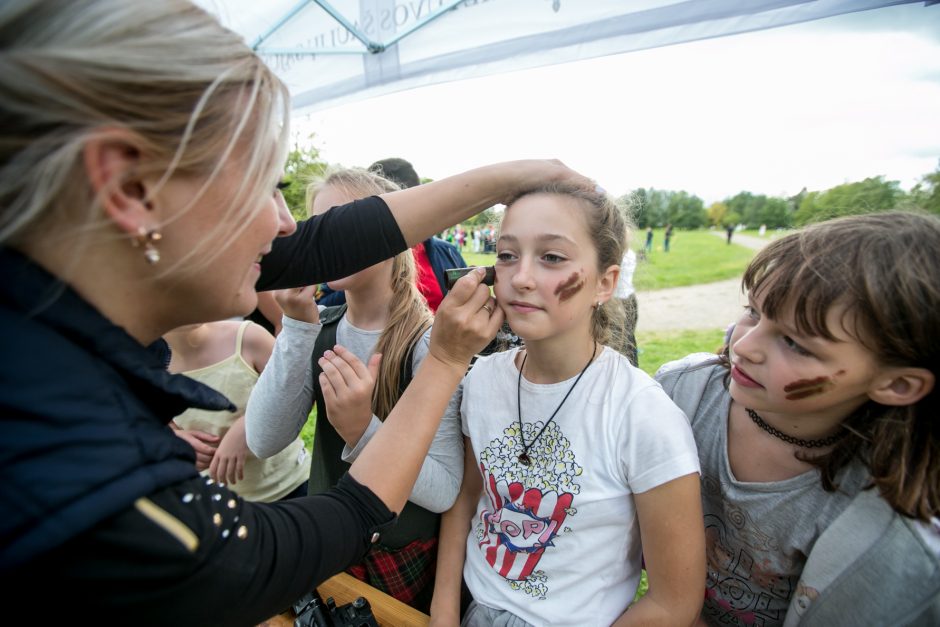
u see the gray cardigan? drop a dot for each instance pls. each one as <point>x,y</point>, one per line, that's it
<point>878,568</point>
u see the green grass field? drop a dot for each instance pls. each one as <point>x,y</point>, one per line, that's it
<point>695,257</point>
<point>657,348</point>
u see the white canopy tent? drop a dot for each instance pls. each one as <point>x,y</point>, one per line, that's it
<point>333,51</point>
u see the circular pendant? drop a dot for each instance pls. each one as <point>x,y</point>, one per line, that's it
<point>524,459</point>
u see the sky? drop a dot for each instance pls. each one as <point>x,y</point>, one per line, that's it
<point>812,105</point>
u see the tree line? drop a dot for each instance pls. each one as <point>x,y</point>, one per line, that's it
<point>657,207</point>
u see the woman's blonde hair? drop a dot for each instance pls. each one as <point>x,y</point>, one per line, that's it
<point>408,316</point>
<point>193,95</point>
<point>607,225</point>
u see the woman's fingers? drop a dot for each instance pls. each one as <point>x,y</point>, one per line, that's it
<point>466,321</point>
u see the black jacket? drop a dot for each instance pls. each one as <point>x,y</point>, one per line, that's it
<point>102,513</point>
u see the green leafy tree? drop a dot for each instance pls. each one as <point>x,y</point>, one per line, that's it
<point>716,213</point>
<point>754,210</point>
<point>926,194</point>
<point>868,196</point>
<point>686,211</point>
<point>774,213</point>
<point>303,167</point>
<point>480,220</point>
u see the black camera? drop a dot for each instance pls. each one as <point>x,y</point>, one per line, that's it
<point>311,611</point>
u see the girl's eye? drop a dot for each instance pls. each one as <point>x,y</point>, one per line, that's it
<point>504,257</point>
<point>281,186</point>
<point>796,348</point>
<point>552,258</point>
<point>751,313</point>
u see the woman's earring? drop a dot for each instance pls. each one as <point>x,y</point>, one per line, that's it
<point>148,239</point>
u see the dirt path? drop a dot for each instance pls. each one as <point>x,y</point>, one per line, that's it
<point>706,306</point>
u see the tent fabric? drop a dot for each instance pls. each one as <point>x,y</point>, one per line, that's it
<point>329,52</point>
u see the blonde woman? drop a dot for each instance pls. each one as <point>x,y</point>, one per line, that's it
<point>140,149</point>
<point>385,315</point>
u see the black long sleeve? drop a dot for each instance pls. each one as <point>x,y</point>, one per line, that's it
<point>332,245</point>
<point>196,554</point>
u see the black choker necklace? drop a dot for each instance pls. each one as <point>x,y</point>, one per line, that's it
<point>789,439</point>
<point>524,455</point>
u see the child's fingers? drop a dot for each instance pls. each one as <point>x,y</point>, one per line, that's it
<point>373,366</point>
<point>232,471</point>
<point>342,364</point>
<point>214,470</point>
<point>203,448</point>
<point>202,436</point>
<point>359,369</point>
<point>326,387</point>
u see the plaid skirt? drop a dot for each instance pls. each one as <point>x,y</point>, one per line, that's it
<point>401,573</point>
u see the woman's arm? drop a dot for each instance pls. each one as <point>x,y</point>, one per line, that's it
<point>441,472</point>
<point>351,237</point>
<point>670,517</point>
<point>452,544</point>
<point>462,328</point>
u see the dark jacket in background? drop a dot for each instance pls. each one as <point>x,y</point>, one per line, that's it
<point>442,255</point>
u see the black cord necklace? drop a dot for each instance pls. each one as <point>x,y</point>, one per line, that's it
<point>524,455</point>
<point>789,439</point>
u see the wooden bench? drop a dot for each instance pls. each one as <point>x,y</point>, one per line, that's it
<point>388,611</point>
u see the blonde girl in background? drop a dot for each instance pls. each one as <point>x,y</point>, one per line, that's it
<point>572,454</point>
<point>384,315</point>
<point>228,356</point>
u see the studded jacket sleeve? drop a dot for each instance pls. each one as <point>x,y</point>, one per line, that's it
<point>196,554</point>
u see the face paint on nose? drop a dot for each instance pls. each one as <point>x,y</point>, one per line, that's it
<point>804,388</point>
<point>569,287</point>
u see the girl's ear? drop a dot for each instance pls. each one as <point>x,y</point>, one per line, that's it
<point>902,386</point>
<point>111,160</point>
<point>607,283</point>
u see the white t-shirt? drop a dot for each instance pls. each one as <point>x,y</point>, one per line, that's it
<point>625,281</point>
<point>558,542</point>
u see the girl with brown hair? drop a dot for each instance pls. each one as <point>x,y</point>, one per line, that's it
<point>817,430</point>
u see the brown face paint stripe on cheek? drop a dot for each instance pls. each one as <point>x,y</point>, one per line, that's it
<point>808,387</point>
<point>795,396</point>
<point>569,287</point>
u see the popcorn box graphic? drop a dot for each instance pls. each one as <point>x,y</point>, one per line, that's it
<point>520,526</point>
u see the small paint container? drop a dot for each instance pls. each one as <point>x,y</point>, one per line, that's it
<point>453,274</point>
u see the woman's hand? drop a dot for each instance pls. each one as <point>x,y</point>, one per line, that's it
<point>347,386</point>
<point>203,443</point>
<point>529,174</point>
<point>299,303</point>
<point>228,464</point>
<point>466,321</point>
